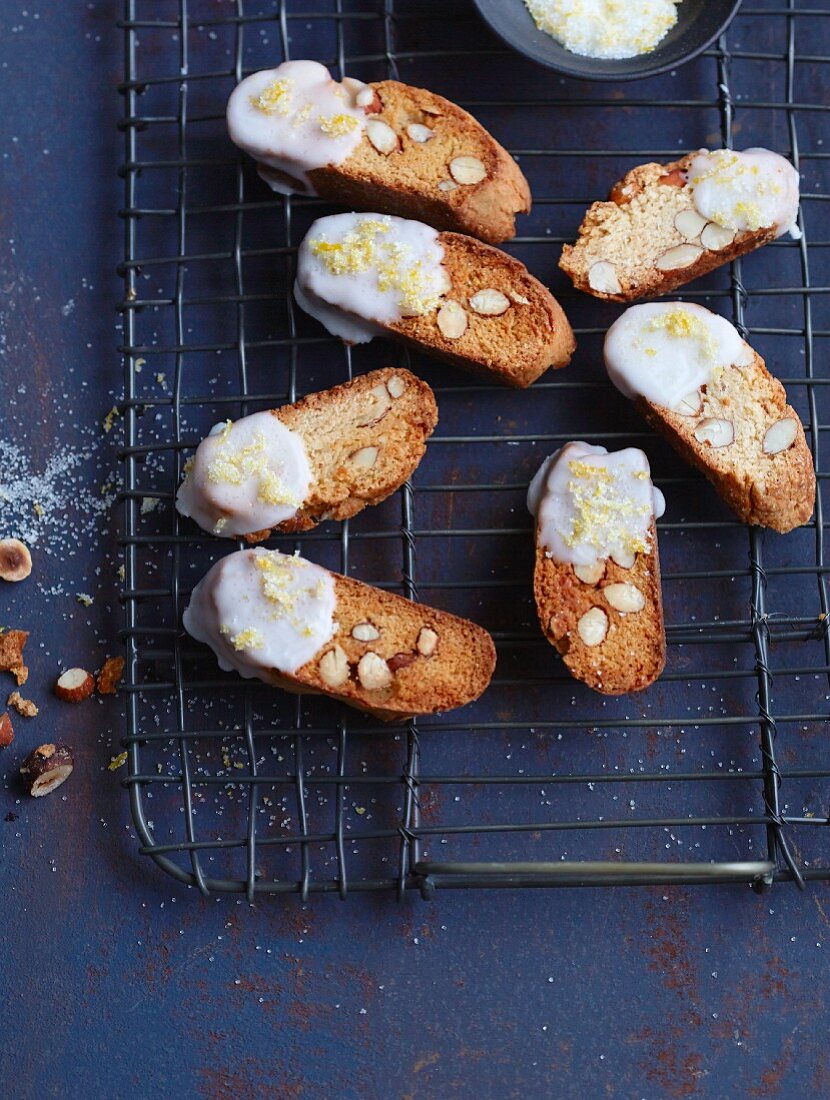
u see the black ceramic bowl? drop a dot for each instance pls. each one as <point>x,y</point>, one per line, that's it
<point>699,22</point>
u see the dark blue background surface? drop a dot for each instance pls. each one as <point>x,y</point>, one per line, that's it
<point>119,983</point>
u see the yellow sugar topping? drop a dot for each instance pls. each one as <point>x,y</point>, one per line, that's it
<point>363,248</point>
<point>275,99</point>
<point>235,467</point>
<point>245,639</point>
<point>730,170</point>
<point>277,573</point>
<point>338,125</point>
<point>685,325</point>
<point>603,513</point>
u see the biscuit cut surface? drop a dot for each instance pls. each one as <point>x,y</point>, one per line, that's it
<point>420,176</point>
<point>642,242</point>
<point>420,660</point>
<point>632,651</point>
<point>364,439</point>
<point>733,439</point>
<point>514,346</point>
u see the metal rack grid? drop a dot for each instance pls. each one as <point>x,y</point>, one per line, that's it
<point>715,774</point>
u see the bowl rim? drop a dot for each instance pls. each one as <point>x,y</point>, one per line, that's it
<point>609,78</point>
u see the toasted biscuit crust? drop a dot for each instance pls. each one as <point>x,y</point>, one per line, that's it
<point>633,652</point>
<point>771,490</point>
<point>636,226</point>
<point>406,181</point>
<point>456,672</point>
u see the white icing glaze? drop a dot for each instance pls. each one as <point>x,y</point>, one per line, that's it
<point>591,505</point>
<point>260,610</point>
<point>294,119</point>
<point>246,476</point>
<point>357,272</point>
<point>752,190</point>
<point>663,351</point>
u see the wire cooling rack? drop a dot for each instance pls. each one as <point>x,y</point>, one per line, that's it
<point>718,772</point>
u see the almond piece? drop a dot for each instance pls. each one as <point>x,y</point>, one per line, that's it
<point>396,386</point>
<point>380,403</point>
<point>519,299</point>
<point>489,302</point>
<point>689,223</point>
<point>46,768</point>
<point>364,458</point>
<point>15,560</point>
<point>717,433</point>
<point>382,136</point>
<point>365,96</point>
<point>74,685</point>
<point>602,277</point>
<point>715,237</point>
<point>780,436</point>
<point>451,320</point>
<point>683,255</point>
<point>373,672</point>
<point>418,132</point>
<point>334,668</point>
<point>6,730</point>
<point>624,559</point>
<point>626,598</point>
<point>365,632</point>
<point>400,660</point>
<point>593,626</point>
<point>427,641</point>
<point>590,574</point>
<point>675,178</point>
<point>690,404</point>
<point>467,170</point>
<point>447,185</point>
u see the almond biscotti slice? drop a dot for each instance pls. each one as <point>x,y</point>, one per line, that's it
<point>447,295</point>
<point>666,224</point>
<point>702,387</point>
<point>597,575</point>
<point>383,146</point>
<point>290,623</point>
<point>327,456</point>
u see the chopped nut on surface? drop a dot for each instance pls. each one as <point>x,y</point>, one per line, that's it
<point>395,386</point>
<point>781,436</point>
<point>382,136</point>
<point>365,632</point>
<point>6,730</point>
<point>489,302</point>
<point>24,707</point>
<point>602,277</point>
<point>682,255</point>
<point>109,676</point>
<point>427,641</point>
<point>467,170</point>
<point>334,667</point>
<point>74,685</point>
<point>373,672</point>
<point>364,458</point>
<point>590,574</point>
<point>451,320</point>
<point>593,626</point>
<point>625,598</point>
<point>11,654</point>
<point>15,560</point>
<point>46,768</point>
